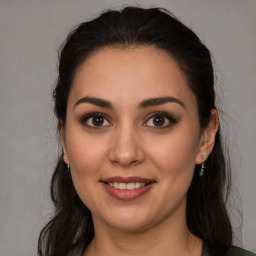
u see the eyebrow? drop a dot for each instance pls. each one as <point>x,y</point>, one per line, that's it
<point>160,101</point>
<point>95,101</point>
<point>144,104</point>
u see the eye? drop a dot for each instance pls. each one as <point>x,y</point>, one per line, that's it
<point>95,120</point>
<point>160,120</point>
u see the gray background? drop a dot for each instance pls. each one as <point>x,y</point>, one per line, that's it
<point>30,34</point>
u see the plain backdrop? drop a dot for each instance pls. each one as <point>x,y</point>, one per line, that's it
<point>30,35</point>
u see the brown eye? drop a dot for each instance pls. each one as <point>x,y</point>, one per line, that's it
<point>158,120</point>
<point>95,120</point>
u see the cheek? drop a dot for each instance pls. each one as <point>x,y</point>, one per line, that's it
<point>175,155</point>
<point>86,154</point>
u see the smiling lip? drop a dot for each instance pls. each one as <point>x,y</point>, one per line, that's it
<point>127,179</point>
<point>127,194</point>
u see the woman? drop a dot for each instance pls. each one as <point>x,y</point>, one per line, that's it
<point>142,171</point>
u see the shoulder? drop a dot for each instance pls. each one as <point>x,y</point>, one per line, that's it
<point>232,251</point>
<point>236,251</point>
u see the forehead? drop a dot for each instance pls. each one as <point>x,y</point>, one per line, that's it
<point>138,72</point>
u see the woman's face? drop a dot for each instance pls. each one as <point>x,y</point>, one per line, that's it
<point>132,137</point>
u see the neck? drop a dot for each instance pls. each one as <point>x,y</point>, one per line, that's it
<point>165,239</point>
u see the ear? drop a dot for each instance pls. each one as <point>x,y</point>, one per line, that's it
<point>207,139</point>
<point>61,130</point>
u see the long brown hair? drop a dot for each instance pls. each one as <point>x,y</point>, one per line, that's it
<point>71,226</point>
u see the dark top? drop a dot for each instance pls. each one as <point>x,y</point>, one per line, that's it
<point>233,251</point>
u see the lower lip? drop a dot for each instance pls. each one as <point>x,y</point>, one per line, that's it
<point>125,194</point>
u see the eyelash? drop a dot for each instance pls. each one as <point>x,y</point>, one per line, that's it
<point>91,115</point>
<point>165,115</point>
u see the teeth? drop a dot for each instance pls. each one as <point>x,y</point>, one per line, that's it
<point>126,186</point>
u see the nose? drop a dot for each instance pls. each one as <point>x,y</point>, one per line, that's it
<point>126,149</point>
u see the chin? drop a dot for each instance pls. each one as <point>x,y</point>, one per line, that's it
<point>127,220</point>
<point>130,225</point>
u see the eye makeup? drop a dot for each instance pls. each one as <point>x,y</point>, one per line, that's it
<point>160,120</point>
<point>95,120</point>
<point>155,120</point>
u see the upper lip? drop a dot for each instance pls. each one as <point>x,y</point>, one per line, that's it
<point>121,179</point>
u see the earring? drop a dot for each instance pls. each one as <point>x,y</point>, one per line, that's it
<point>68,167</point>
<point>201,172</point>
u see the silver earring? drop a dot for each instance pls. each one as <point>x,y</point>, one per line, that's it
<point>201,172</point>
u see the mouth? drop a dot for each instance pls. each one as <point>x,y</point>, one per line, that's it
<point>126,188</point>
<point>127,183</point>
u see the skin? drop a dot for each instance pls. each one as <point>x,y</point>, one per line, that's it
<point>128,143</point>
